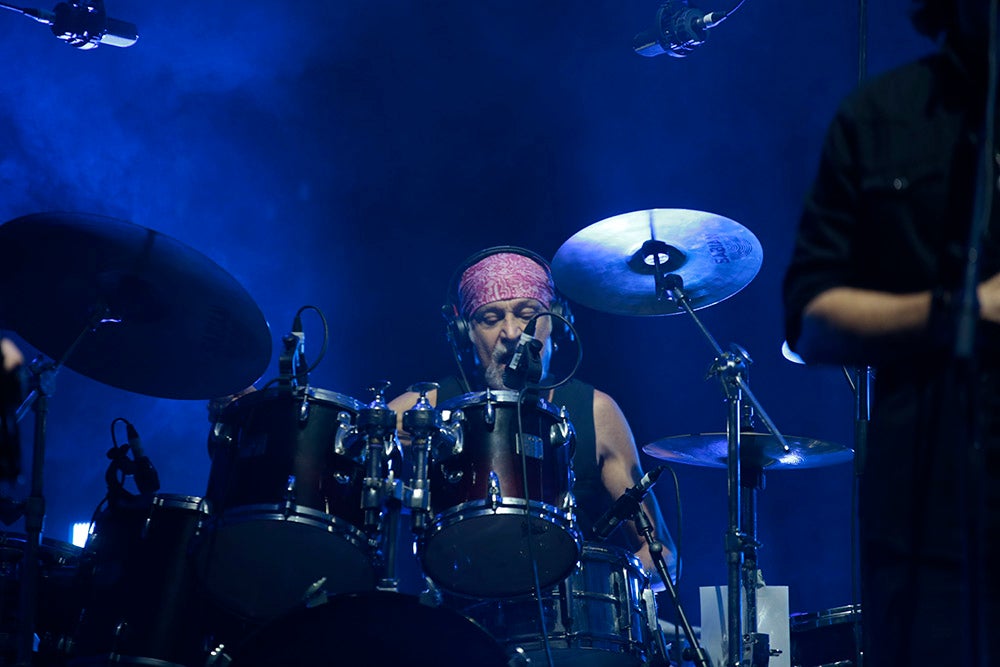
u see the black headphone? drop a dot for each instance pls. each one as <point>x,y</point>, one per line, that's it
<point>458,326</point>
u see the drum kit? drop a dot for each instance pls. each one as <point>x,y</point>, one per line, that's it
<point>291,556</point>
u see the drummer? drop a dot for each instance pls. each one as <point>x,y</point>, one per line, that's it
<point>492,298</point>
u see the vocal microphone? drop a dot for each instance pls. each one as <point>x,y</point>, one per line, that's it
<point>626,506</point>
<point>84,25</point>
<point>515,375</point>
<point>679,29</point>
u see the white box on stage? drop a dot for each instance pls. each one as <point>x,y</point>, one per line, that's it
<point>772,620</point>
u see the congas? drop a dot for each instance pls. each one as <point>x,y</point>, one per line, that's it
<point>600,616</point>
<point>501,497</point>
<point>142,605</point>
<point>60,597</point>
<point>284,494</point>
<point>825,638</point>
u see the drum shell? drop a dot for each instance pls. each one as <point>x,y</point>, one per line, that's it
<point>487,498</point>
<point>143,603</point>
<point>268,436</point>
<point>597,617</point>
<point>489,445</point>
<point>825,638</point>
<point>285,494</point>
<point>59,600</point>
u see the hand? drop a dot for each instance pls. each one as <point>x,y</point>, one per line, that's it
<point>12,357</point>
<point>988,294</point>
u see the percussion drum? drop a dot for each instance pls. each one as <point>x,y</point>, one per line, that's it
<point>284,494</point>
<point>142,605</point>
<point>825,638</point>
<point>59,597</point>
<point>600,616</point>
<point>485,507</point>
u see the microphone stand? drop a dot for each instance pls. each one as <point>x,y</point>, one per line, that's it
<point>741,542</point>
<point>645,528</point>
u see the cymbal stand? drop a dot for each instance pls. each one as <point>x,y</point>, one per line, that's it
<point>743,647</point>
<point>42,384</point>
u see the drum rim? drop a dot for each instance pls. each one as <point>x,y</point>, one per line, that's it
<point>496,396</point>
<point>180,500</point>
<point>298,393</point>
<point>485,508</point>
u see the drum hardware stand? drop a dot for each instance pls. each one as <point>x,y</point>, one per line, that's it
<point>377,423</point>
<point>645,527</point>
<point>421,421</point>
<point>42,379</point>
<point>741,541</point>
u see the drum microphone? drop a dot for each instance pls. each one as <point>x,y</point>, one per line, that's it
<point>146,478</point>
<point>678,31</point>
<point>626,506</point>
<point>84,25</point>
<point>515,375</point>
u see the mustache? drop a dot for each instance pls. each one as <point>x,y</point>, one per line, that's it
<point>503,351</point>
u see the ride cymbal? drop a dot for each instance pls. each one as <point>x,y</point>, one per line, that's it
<point>758,450</point>
<point>166,320</point>
<point>610,266</point>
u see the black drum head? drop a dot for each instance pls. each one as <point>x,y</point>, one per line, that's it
<point>376,628</point>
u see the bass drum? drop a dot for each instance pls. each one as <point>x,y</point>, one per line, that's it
<point>284,494</point>
<point>600,616</point>
<point>503,478</point>
<point>60,597</point>
<point>376,628</point>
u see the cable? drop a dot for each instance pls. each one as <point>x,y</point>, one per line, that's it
<point>527,513</point>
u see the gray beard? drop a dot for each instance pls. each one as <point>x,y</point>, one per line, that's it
<point>493,374</point>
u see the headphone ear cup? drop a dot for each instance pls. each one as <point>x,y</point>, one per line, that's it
<point>457,331</point>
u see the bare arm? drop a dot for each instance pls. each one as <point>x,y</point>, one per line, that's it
<point>844,324</point>
<point>618,459</point>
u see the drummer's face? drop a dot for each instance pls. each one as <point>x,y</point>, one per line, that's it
<point>496,328</point>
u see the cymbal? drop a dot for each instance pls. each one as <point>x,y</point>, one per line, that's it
<point>169,321</point>
<point>759,450</point>
<point>605,266</point>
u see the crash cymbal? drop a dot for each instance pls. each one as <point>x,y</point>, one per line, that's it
<point>172,323</point>
<point>606,267</point>
<point>759,450</point>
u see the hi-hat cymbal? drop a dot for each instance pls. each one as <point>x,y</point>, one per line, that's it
<point>169,321</point>
<point>758,450</point>
<point>607,267</point>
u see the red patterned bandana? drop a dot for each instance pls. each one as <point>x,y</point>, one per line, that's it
<point>501,277</point>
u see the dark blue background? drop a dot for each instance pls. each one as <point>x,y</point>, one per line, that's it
<point>349,154</point>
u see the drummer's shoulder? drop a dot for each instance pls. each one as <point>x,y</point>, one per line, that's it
<point>606,406</point>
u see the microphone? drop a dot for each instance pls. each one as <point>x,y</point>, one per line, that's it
<point>678,31</point>
<point>515,375</point>
<point>626,506</point>
<point>84,25</point>
<point>146,478</point>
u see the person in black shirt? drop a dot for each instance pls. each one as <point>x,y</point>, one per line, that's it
<point>876,280</point>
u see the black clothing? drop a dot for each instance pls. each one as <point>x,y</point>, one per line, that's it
<point>592,498</point>
<point>890,211</point>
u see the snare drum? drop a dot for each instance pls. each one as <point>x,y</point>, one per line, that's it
<point>598,617</point>
<point>484,507</point>
<point>60,597</point>
<point>284,494</point>
<point>143,605</point>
